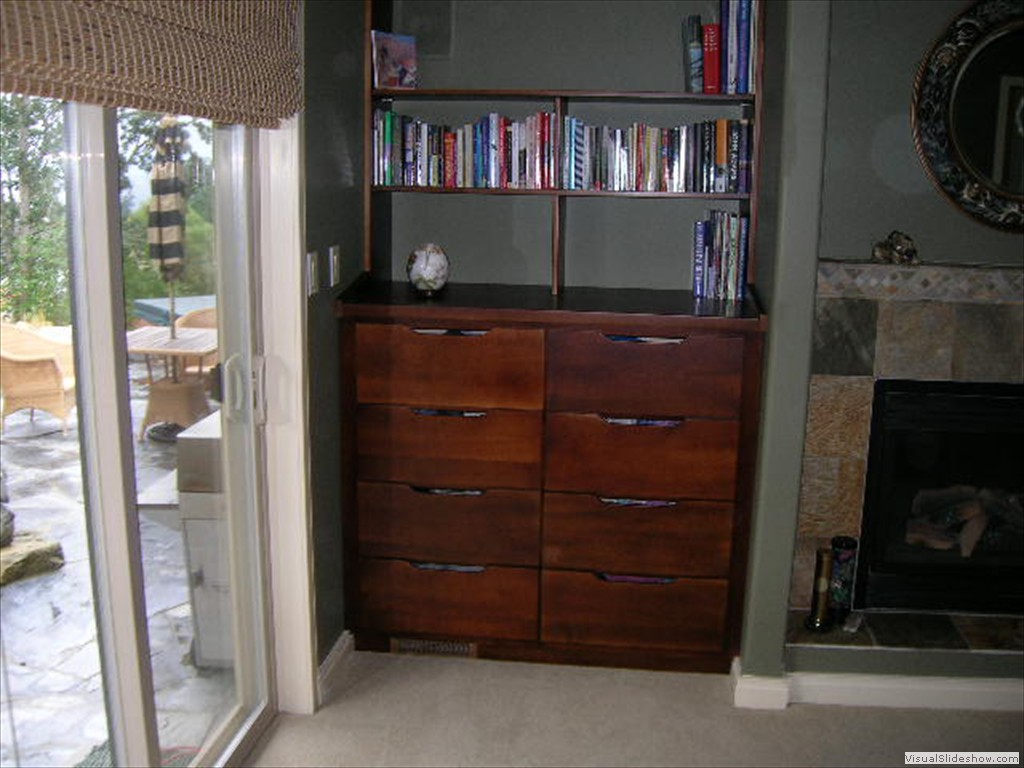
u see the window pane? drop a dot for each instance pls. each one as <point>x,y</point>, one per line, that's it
<point>51,690</point>
<point>170,284</point>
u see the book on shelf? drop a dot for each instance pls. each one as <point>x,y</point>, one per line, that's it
<point>732,165</point>
<point>712,58</point>
<point>730,45</point>
<point>746,147</point>
<point>722,156</point>
<point>707,156</point>
<point>719,257</point>
<point>394,60</point>
<point>693,54</point>
<point>723,45</point>
<point>744,45</point>
<point>450,174</point>
<point>699,258</point>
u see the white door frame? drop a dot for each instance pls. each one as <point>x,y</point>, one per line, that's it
<point>108,447</point>
<point>105,429</point>
<point>283,304</point>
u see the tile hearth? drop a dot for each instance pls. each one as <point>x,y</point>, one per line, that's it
<point>931,631</point>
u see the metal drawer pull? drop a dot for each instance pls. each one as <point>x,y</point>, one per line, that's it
<point>448,567</point>
<point>440,412</point>
<point>615,578</point>
<point>635,422</point>
<point>448,332</point>
<point>448,491</point>
<point>646,339</point>
<point>648,503</point>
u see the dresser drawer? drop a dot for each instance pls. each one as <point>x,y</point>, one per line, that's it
<point>452,525</point>
<point>642,536</point>
<point>458,601</point>
<point>600,609</point>
<point>486,368</point>
<point>696,375</point>
<point>591,453</point>
<point>449,449</point>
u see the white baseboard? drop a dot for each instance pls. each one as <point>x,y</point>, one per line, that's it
<point>331,672</point>
<point>854,690</point>
<point>758,691</point>
<point>1003,694</point>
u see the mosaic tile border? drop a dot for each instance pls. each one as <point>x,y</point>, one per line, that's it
<point>864,280</point>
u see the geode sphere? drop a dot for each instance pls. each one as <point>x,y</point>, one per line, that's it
<point>428,268</point>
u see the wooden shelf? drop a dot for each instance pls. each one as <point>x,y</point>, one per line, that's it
<point>370,298</point>
<point>563,192</point>
<point>522,94</point>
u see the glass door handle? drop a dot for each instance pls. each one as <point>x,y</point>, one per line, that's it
<point>234,388</point>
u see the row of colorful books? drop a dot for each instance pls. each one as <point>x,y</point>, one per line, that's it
<point>495,152</point>
<point>710,157</point>
<point>720,247</point>
<point>719,54</point>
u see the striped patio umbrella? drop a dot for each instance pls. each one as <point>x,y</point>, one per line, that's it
<point>166,233</point>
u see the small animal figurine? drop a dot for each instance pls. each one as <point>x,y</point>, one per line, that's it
<point>897,248</point>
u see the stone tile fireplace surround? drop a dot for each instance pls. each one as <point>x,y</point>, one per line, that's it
<point>879,321</point>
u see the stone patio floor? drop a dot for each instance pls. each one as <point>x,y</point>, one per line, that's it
<point>51,693</point>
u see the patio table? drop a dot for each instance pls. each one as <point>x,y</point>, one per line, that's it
<point>174,398</point>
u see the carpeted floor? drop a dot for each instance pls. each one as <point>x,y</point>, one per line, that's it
<point>414,710</point>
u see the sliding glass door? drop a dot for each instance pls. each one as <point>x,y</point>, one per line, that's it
<point>168,413</point>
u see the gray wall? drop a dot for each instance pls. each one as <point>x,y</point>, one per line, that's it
<point>794,132</point>
<point>332,130</point>
<point>840,172</point>
<point>874,182</point>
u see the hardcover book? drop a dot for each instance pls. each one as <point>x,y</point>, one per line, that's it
<point>699,259</point>
<point>744,47</point>
<point>693,54</point>
<point>394,60</point>
<point>735,129</point>
<point>721,155</point>
<point>730,46</point>
<point>712,58</point>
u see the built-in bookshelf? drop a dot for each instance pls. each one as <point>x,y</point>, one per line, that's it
<point>552,458</point>
<point>567,146</point>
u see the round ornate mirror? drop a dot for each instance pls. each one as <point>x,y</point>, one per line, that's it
<point>968,113</point>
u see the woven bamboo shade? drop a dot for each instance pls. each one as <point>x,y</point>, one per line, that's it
<point>232,61</point>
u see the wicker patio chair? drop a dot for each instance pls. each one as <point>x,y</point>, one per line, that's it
<point>35,372</point>
<point>199,318</point>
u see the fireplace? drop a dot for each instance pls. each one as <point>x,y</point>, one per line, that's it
<point>943,522</point>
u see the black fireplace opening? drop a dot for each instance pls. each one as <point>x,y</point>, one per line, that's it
<point>943,522</point>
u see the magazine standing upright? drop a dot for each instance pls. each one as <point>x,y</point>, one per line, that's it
<point>557,470</point>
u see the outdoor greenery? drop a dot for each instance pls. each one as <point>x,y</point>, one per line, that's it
<point>33,236</point>
<point>34,274</point>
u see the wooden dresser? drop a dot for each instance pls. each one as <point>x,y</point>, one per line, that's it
<point>562,479</point>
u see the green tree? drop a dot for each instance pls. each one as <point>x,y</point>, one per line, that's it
<point>33,239</point>
<point>34,271</point>
<point>142,275</point>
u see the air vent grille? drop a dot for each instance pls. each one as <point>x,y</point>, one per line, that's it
<point>433,647</point>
